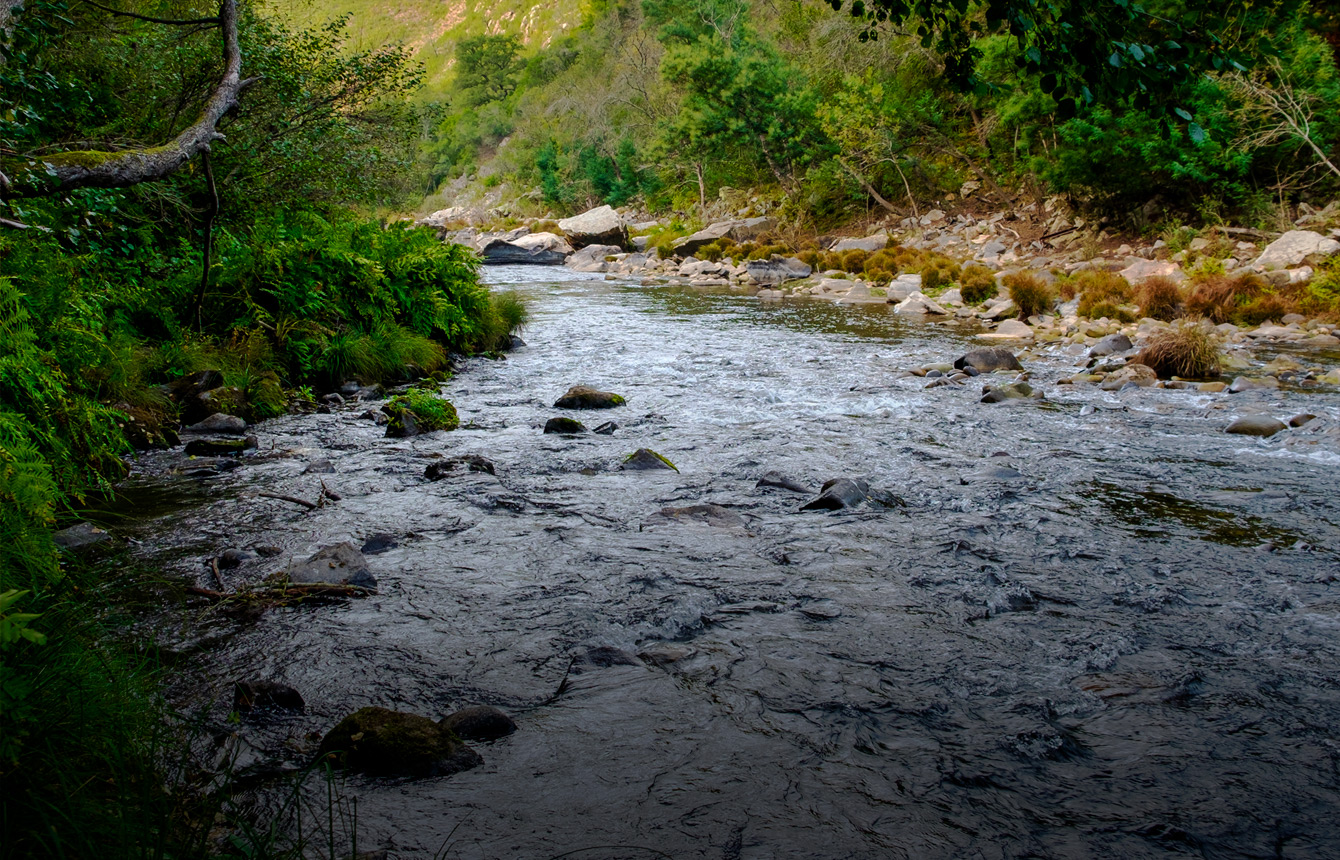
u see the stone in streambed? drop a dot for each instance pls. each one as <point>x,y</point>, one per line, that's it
<point>467,463</point>
<point>341,564</point>
<point>379,543</point>
<point>1001,393</point>
<point>80,536</point>
<point>402,425</point>
<point>215,447</point>
<point>393,743</point>
<point>219,423</point>
<point>564,425</point>
<point>988,360</point>
<point>480,723</point>
<point>1141,375</point>
<point>781,482</point>
<point>645,459</point>
<point>1244,383</point>
<point>712,515</point>
<point>839,493</point>
<point>585,397</point>
<point>231,558</point>
<point>249,696</point>
<point>1112,344</point>
<point>1256,425</point>
<point>606,429</point>
<point>1301,419</point>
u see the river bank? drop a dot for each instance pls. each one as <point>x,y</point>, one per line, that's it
<point>1032,640</point>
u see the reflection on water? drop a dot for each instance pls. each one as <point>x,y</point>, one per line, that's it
<point>1068,641</point>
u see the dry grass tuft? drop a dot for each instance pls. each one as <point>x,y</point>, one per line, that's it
<point>1099,288</point>
<point>1030,293</point>
<point>1159,298</point>
<point>1189,349</point>
<point>976,284</point>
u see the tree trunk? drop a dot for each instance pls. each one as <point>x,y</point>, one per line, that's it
<point>870,189</point>
<point>94,169</point>
<point>702,188</point>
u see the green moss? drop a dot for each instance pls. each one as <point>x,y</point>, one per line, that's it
<point>660,457</point>
<point>430,412</point>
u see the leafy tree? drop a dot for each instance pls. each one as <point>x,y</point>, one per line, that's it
<point>487,68</point>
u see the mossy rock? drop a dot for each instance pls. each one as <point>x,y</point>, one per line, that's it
<point>393,743</point>
<point>564,425</point>
<point>430,412</point>
<point>585,397</point>
<point>645,459</point>
<point>215,447</point>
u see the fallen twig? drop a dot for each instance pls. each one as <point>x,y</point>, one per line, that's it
<point>214,568</point>
<point>329,493</point>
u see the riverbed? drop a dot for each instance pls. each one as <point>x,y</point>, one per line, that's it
<point>1092,625</point>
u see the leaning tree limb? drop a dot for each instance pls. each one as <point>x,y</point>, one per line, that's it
<point>95,169</point>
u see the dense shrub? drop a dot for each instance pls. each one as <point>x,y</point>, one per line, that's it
<point>1030,293</point>
<point>977,284</point>
<point>1189,349</point>
<point>1159,298</point>
<point>430,411</point>
<point>1101,292</point>
<point>1244,299</point>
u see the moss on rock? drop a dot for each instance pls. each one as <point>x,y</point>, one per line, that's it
<point>393,743</point>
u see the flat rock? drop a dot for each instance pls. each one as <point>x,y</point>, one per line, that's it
<point>1293,248</point>
<point>782,482</point>
<point>219,423</point>
<point>1247,383</point>
<point>1141,375</point>
<point>768,272</point>
<point>592,258</point>
<point>79,536</point>
<point>465,463</point>
<point>919,303</point>
<point>566,426</point>
<point>585,397</point>
<point>500,252</point>
<point>1256,425</point>
<point>1012,329</point>
<point>712,515</point>
<point>1142,270</point>
<point>839,493</point>
<point>393,743</point>
<point>645,459</point>
<point>1009,391</point>
<point>479,723</point>
<point>379,543</point>
<point>340,564</point>
<point>870,244</point>
<point>988,359</point>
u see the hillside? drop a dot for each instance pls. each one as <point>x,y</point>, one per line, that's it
<point>431,29</point>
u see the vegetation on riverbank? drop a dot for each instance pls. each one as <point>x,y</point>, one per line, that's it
<point>265,259</point>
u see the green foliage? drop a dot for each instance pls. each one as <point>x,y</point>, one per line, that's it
<point>430,411</point>
<point>1100,294</point>
<point>487,67</point>
<point>977,284</point>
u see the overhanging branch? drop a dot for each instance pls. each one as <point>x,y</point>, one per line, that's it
<point>96,169</point>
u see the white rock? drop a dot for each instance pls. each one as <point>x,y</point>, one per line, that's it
<point>1293,248</point>
<point>918,303</point>
<point>1143,270</point>
<point>869,243</point>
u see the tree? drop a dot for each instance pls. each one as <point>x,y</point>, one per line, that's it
<point>1088,51</point>
<point>487,68</point>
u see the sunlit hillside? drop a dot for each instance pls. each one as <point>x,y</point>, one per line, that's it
<point>431,29</point>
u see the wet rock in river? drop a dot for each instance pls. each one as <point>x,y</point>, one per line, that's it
<point>1141,375</point>
<point>645,459</point>
<point>319,467</point>
<point>467,463</point>
<point>606,429</point>
<point>563,425</point>
<point>250,696</point>
<point>219,423</point>
<point>1244,383</point>
<point>393,743</point>
<point>80,536</point>
<point>215,447</point>
<point>1256,425</point>
<point>987,360</point>
<point>480,723</point>
<point>839,493</point>
<point>234,557</point>
<point>1011,391</point>
<point>781,482</point>
<point>1112,344</point>
<point>712,515</point>
<point>379,543</point>
<point>1301,419</point>
<point>603,657</point>
<point>341,564</point>
<point>585,397</point>
<point>401,425</point>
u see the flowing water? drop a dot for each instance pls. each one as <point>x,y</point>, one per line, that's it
<point>1066,632</point>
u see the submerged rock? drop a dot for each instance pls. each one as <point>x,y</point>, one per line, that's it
<point>1256,425</point>
<point>480,723</point>
<point>839,493</point>
<point>79,536</point>
<point>782,482</point>
<point>379,543</point>
<point>393,743</point>
<point>586,397</point>
<point>214,447</point>
<point>645,459</point>
<point>341,564</point>
<point>712,515</point>
<point>1137,374</point>
<point>466,463</point>
<point>568,426</point>
<point>1011,391</point>
<point>988,359</point>
<point>249,696</point>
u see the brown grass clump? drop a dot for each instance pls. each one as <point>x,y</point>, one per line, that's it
<point>977,284</point>
<point>1098,288</point>
<point>1029,293</point>
<point>1189,349</point>
<point>1241,299</point>
<point>1267,306</point>
<point>1067,288</point>
<point>1159,298</point>
<point>545,227</point>
<point>854,260</point>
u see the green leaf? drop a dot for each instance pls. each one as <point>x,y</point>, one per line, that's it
<point>1183,113</point>
<point>1197,133</point>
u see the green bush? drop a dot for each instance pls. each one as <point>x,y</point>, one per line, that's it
<point>977,284</point>
<point>430,411</point>
<point>1100,293</point>
<point>1030,293</point>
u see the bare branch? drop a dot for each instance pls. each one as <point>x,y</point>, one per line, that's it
<point>93,169</point>
<point>169,21</point>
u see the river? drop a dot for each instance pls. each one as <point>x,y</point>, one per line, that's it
<point>1110,631</point>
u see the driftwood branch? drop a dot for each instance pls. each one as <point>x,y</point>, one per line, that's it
<point>95,169</point>
<point>311,506</point>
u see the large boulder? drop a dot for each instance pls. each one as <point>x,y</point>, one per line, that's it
<point>1263,426</point>
<point>988,359</point>
<point>541,249</point>
<point>692,244</point>
<point>340,564</point>
<point>566,426</point>
<point>646,460</point>
<point>903,286</point>
<point>776,271</point>
<point>219,423</point>
<point>873,243</point>
<point>1142,270</point>
<point>393,743</point>
<point>599,226</point>
<point>1293,248</point>
<point>586,397</point>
